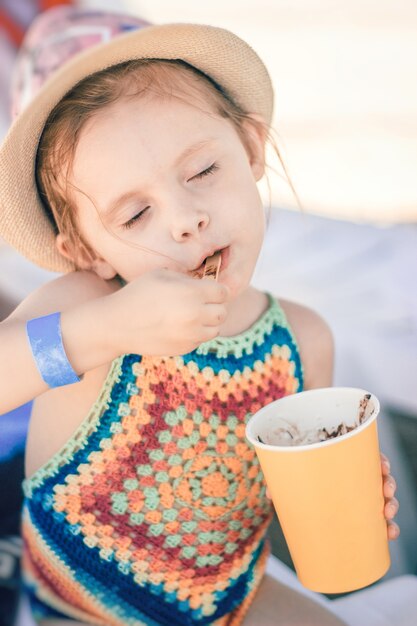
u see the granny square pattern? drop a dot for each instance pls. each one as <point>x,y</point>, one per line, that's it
<point>155,512</point>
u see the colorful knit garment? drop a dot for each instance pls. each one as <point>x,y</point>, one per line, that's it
<point>155,512</point>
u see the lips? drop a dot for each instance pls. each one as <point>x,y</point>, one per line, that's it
<point>205,256</point>
<point>224,253</point>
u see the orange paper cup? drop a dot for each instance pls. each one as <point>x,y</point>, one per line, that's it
<point>328,495</point>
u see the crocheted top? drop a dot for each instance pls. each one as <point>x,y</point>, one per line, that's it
<point>155,512</point>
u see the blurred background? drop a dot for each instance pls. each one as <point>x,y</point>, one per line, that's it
<point>345,78</point>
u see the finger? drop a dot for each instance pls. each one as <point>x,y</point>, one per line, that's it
<point>213,291</point>
<point>391,508</point>
<point>389,486</point>
<point>213,314</point>
<point>393,531</point>
<point>385,464</point>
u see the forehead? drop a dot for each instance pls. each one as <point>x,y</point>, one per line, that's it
<point>133,123</point>
<point>163,85</point>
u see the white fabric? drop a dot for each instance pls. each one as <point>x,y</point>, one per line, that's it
<point>389,603</point>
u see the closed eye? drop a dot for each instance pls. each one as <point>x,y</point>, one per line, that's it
<point>209,170</point>
<point>134,219</point>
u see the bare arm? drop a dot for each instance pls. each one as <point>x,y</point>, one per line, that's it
<point>77,296</point>
<point>315,342</point>
<point>101,321</point>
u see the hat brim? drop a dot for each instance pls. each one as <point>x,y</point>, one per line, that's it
<point>218,53</point>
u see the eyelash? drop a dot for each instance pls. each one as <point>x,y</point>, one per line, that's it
<point>136,218</point>
<point>210,170</point>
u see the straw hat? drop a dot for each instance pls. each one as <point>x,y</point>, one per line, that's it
<point>64,46</point>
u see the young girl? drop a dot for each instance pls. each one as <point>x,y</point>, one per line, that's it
<point>126,169</point>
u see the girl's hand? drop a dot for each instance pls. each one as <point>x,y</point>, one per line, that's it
<point>164,313</point>
<point>391,504</point>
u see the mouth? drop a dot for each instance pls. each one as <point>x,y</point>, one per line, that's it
<point>199,270</point>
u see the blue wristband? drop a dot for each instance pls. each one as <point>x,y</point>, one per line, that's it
<point>45,339</point>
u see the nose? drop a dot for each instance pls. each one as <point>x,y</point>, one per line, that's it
<point>188,223</point>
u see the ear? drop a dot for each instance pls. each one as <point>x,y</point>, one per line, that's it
<point>256,131</point>
<point>84,259</point>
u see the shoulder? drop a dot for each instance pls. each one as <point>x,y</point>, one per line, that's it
<point>62,293</point>
<point>315,343</point>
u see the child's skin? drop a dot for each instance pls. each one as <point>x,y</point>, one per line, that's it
<point>189,210</point>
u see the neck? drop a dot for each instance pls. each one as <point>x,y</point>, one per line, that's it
<point>244,311</point>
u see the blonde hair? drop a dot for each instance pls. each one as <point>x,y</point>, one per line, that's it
<point>134,78</point>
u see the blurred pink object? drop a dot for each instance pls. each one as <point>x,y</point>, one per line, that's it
<point>54,38</point>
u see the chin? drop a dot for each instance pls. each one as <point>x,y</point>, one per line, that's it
<point>237,285</point>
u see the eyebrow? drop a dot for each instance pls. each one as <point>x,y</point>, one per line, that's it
<point>195,147</point>
<point>189,151</point>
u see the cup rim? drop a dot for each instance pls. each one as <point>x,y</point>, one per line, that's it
<point>318,444</point>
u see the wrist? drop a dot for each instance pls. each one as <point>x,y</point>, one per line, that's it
<point>45,339</point>
<point>86,331</point>
<point>114,323</point>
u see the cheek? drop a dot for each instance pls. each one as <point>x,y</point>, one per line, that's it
<point>132,261</point>
<point>238,279</point>
<point>93,231</point>
<point>252,217</point>
<point>241,203</point>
